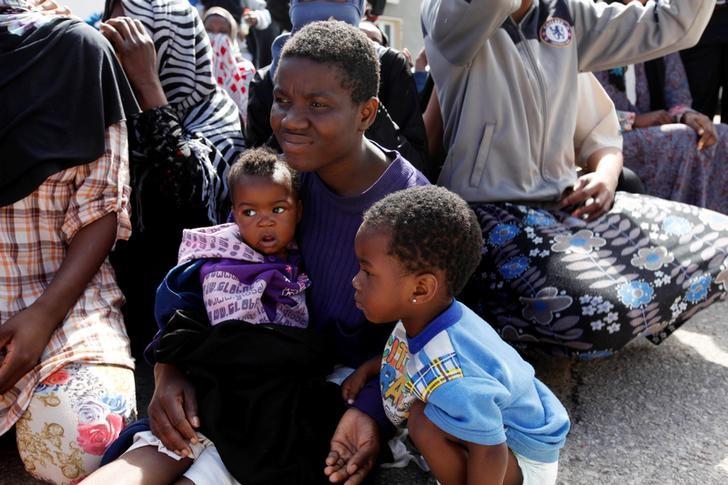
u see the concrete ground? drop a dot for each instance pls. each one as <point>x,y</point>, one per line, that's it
<point>650,415</point>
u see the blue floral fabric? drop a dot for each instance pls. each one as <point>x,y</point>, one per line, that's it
<point>586,289</point>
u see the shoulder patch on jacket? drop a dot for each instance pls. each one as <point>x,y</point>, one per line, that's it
<point>556,31</point>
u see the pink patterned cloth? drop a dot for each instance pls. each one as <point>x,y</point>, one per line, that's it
<point>232,72</point>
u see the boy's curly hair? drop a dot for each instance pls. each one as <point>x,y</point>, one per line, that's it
<point>260,162</point>
<point>431,228</point>
<point>344,46</point>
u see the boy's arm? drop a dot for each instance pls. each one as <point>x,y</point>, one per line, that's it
<point>613,35</point>
<point>458,28</point>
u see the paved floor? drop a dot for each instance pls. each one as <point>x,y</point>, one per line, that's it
<point>651,415</point>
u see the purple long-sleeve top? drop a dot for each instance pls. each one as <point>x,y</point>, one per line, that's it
<point>326,234</point>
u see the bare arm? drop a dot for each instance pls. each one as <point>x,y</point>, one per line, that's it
<point>27,333</point>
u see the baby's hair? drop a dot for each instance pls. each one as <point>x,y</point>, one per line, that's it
<point>431,228</point>
<point>260,162</point>
<point>344,46</point>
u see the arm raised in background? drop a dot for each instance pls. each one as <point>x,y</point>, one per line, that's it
<point>458,28</point>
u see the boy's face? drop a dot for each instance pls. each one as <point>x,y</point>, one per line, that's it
<point>266,211</point>
<point>313,116</point>
<point>383,288</point>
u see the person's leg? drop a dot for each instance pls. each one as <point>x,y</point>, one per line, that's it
<point>447,460</point>
<point>629,181</point>
<point>586,289</point>
<point>703,68</point>
<point>72,417</point>
<point>140,466</point>
<point>724,83</point>
<point>446,455</point>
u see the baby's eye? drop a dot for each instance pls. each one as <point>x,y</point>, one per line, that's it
<point>279,210</point>
<point>317,105</point>
<point>280,100</point>
<point>249,212</point>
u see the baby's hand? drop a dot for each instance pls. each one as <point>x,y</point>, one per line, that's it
<point>353,384</point>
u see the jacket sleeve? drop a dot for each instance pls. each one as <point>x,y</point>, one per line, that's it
<point>597,125</point>
<point>458,28</point>
<point>613,35</point>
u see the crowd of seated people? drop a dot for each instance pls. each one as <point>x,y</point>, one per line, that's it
<point>255,230</point>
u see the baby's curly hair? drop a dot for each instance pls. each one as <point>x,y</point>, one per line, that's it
<point>431,228</point>
<point>344,46</point>
<point>260,162</point>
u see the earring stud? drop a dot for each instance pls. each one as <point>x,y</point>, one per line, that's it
<point>414,300</point>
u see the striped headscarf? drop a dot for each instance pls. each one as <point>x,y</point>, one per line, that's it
<point>184,62</point>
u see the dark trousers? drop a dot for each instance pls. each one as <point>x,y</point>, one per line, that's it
<point>706,66</point>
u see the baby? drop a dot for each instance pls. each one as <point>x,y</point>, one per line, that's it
<point>475,409</point>
<point>252,273</point>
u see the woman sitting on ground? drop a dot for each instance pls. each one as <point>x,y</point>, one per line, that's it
<point>678,153</point>
<point>66,373</point>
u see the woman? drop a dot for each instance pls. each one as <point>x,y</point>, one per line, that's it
<point>181,144</point>
<point>343,174</point>
<point>398,125</point>
<point>66,373</point>
<point>679,153</point>
<point>568,267</point>
<point>232,72</point>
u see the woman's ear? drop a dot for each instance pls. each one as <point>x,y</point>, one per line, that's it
<point>368,113</point>
<point>426,288</point>
<point>299,209</point>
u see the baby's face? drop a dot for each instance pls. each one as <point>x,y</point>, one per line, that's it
<point>266,211</point>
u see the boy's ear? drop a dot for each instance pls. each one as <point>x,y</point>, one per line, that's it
<point>368,113</point>
<point>426,287</point>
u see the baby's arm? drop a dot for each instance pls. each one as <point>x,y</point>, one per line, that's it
<point>357,380</point>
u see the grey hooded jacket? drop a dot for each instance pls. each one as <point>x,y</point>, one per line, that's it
<point>508,91</point>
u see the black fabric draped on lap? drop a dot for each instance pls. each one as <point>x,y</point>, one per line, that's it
<point>45,127</point>
<point>262,395</point>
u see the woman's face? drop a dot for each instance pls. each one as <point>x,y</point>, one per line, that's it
<point>313,116</point>
<point>215,24</point>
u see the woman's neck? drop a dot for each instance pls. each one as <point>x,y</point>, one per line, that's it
<point>353,175</point>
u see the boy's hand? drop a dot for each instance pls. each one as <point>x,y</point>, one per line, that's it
<point>353,384</point>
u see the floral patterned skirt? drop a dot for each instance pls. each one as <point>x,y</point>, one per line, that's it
<point>73,416</point>
<point>551,281</point>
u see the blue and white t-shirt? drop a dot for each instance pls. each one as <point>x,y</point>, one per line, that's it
<point>475,386</point>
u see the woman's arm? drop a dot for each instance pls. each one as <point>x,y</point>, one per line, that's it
<point>26,334</point>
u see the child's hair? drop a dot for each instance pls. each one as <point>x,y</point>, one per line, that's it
<point>260,162</point>
<point>344,46</point>
<point>431,228</point>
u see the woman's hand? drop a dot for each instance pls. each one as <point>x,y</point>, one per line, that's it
<point>703,127</point>
<point>23,336</point>
<point>653,118</point>
<point>173,409</point>
<point>354,448</point>
<point>138,57</point>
